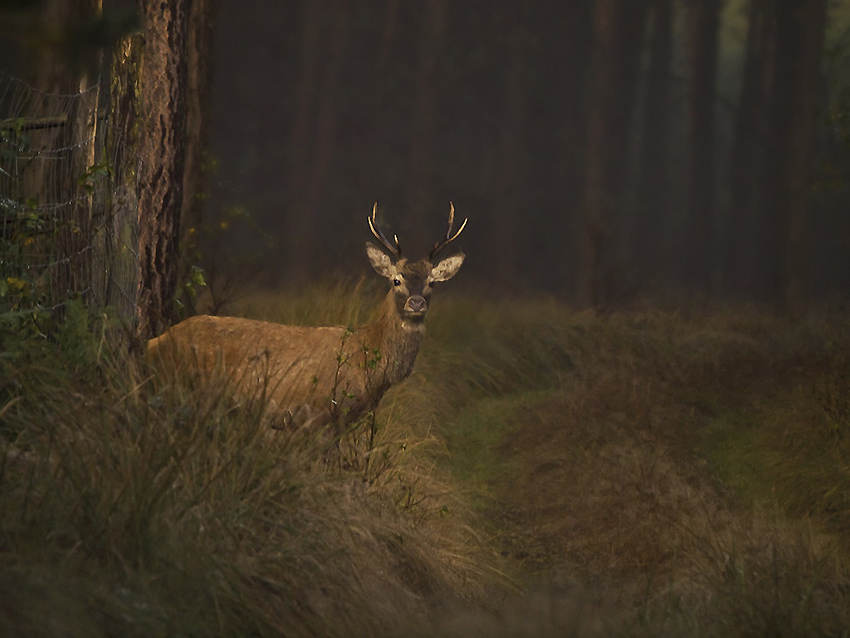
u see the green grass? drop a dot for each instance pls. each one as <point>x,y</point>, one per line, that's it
<point>643,472</point>
<point>474,437</point>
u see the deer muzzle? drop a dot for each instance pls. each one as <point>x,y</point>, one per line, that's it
<point>416,306</point>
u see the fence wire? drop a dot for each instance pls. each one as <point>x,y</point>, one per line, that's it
<point>68,200</point>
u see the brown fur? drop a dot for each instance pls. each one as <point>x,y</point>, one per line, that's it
<point>320,375</point>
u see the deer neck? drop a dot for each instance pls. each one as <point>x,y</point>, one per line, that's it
<point>396,342</point>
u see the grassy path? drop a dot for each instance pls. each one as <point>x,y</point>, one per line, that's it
<point>544,472</point>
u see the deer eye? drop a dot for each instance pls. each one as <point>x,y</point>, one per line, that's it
<point>396,282</point>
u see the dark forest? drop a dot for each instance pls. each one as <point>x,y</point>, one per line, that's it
<point>602,150</point>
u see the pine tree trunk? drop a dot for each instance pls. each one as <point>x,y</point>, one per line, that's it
<point>162,149</point>
<point>703,23</point>
<point>654,163</point>
<point>511,18</point>
<point>198,86</point>
<point>325,138</point>
<point>800,30</point>
<point>299,217</point>
<point>562,131</point>
<point>423,124</point>
<point>618,37</point>
<point>120,286</point>
<point>746,161</point>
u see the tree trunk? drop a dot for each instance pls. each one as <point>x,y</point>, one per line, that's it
<point>800,30</point>
<point>746,162</point>
<point>162,150</point>
<point>703,23</point>
<point>560,133</point>
<point>424,121</point>
<point>324,140</point>
<point>198,80</point>
<point>316,128</point>
<point>618,36</point>
<point>598,133</point>
<point>298,217</point>
<point>653,229</point>
<point>119,287</point>
<point>511,18</point>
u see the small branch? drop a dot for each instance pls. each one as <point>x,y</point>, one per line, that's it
<point>30,124</point>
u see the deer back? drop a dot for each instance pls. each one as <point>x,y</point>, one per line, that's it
<point>306,373</point>
<point>324,374</point>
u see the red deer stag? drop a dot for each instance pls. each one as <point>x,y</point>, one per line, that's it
<point>320,374</point>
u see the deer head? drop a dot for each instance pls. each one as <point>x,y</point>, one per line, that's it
<point>412,281</point>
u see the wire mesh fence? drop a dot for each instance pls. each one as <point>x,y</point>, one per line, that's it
<point>68,200</point>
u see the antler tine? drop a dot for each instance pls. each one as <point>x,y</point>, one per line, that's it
<point>379,235</point>
<point>449,237</point>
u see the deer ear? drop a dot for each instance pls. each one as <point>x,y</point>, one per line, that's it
<point>380,261</point>
<point>447,268</point>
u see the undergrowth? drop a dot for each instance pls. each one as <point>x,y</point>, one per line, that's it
<point>643,472</point>
<point>142,508</point>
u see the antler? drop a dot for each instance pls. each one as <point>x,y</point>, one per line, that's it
<point>449,237</point>
<point>376,231</point>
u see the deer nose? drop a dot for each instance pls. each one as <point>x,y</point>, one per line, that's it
<point>416,304</point>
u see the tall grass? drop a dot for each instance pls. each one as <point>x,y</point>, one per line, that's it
<point>152,509</point>
<point>643,472</point>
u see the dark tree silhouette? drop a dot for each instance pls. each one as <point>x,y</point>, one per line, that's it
<point>307,94</point>
<point>423,124</point>
<point>703,23</point>
<point>198,80</point>
<point>653,189</point>
<point>746,157</point>
<point>325,139</point>
<point>512,134</point>
<point>559,126</point>
<point>799,35</point>
<point>618,36</point>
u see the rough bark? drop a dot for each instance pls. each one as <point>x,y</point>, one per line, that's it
<point>162,154</point>
<point>120,287</point>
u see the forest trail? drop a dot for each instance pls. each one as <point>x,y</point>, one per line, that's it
<point>625,479</point>
<point>615,502</point>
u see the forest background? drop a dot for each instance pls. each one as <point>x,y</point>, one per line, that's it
<point>603,150</point>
